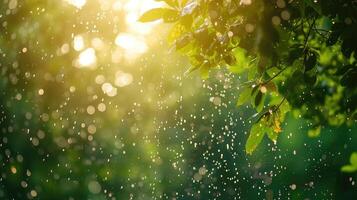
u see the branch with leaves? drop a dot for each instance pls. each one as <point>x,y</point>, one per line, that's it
<point>288,63</point>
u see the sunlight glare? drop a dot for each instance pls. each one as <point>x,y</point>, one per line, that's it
<point>123,79</point>
<point>78,43</point>
<point>132,44</point>
<point>77,3</point>
<point>87,58</point>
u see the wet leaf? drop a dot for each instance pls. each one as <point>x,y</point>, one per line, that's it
<point>255,137</point>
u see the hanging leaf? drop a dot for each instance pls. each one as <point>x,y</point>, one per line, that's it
<point>353,164</point>
<point>258,98</point>
<point>310,61</point>
<point>244,96</point>
<point>155,14</point>
<point>255,137</point>
<point>272,135</point>
<point>353,159</point>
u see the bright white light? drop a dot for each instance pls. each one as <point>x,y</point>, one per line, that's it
<point>87,58</point>
<point>109,90</point>
<point>134,9</point>
<point>123,79</point>
<point>77,3</point>
<point>78,43</point>
<point>131,43</point>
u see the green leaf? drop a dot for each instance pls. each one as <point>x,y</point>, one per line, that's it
<point>272,135</point>
<point>284,109</point>
<point>353,166</point>
<point>315,132</point>
<point>349,168</point>
<point>310,61</point>
<point>255,137</point>
<point>342,70</point>
<point>204,70</point>
<point>349,78</point>
<point>295,54</point>
<point>154,14</point>
<point>244,96</point>
<point>353,159</point>
<point>258,98</point>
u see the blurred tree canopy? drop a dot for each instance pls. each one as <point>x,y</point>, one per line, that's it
<point>297,56</point>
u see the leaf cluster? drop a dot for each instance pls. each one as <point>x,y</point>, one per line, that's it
<point>300,54</point>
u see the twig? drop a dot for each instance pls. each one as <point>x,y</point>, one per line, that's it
<point>281,103</point>
<point>277,74</point>
<point>308,34</point>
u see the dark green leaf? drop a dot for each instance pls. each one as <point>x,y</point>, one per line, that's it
<point>349,79</point>
<point>310,61</point>
<point>295,54</point>
<point>258,98</point>
<point>344,69</point>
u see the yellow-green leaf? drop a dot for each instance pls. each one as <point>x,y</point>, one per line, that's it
<point>353,166</point>
<point>171,15</point>
<point>176,31</point>
<point>255,137</point>
<point>353,159</point>
<point>315,132</point>
<point>349,168</point>
<point>154,14</point>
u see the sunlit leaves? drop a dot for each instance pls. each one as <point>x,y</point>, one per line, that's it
<point>352,167</point>
<point>175,32</point>
<point>260,46</point>
<point>269,123</point>
<point>168,15</point>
